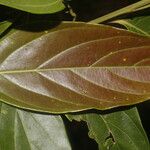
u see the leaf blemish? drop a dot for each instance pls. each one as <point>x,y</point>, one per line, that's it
<point>109,141</point>
<point>124,59</point>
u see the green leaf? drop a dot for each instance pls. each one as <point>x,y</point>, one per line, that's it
<point>120,130</point>
<point>4,26</point>
<point>139,24</point>
<point>35,6</point>
<point>74,68</point>
<point>21,130</point>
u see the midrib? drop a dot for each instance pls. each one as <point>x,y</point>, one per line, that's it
<point>66,69</point>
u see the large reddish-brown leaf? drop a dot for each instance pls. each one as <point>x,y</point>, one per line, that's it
<point>74,67</point>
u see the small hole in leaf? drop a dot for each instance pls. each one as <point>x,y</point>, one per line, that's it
<point>109,142</point>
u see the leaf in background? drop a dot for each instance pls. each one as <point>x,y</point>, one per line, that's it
<point>74,69</point>
<point>120,130</point>
<point>139,25</point>
<point>21,130</point>
<point>35,6</point>
<point>4,26</point>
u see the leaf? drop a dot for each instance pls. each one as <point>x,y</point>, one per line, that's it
<point>74,68</point>
<point>139,24</point>
<point>4,25</point>
<point>21,130</point>
<point>120,130</point>
<point>35,6</point>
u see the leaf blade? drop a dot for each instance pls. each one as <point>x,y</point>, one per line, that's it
<point>138,24</point>
<point>103,134</point>
<point>35,6</point>
<point>70,78</point>
<point>115,130</point>
<point>25,130</point>
<point>4,26</point>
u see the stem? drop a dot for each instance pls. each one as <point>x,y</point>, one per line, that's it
<point>143,7</point>
<point>121,11</point>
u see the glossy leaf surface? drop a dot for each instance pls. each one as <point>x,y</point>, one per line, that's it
<point>21,130</point>
<point>35,6</point>
<point>74,68</point>
<point>120,129</point>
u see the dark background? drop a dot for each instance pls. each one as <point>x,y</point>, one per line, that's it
<point>85,10</point>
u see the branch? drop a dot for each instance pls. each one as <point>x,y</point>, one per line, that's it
<point>127,9</point>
